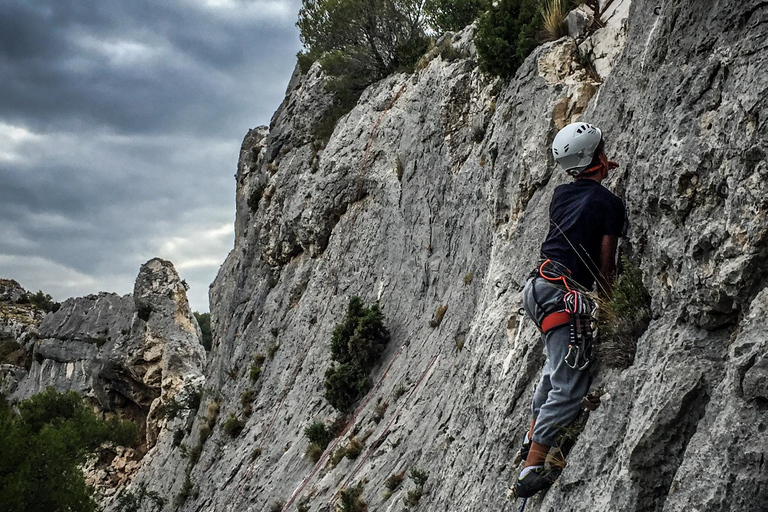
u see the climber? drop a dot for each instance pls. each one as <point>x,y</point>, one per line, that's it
<point>586,221</point>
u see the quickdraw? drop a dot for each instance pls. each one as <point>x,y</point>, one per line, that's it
<point>582,310</point>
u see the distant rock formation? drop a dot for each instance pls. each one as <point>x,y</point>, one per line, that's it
<point>129,356</point>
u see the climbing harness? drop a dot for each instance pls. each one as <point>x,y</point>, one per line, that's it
<point>579,311</point>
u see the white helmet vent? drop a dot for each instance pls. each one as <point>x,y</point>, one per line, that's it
<point>575,145</point>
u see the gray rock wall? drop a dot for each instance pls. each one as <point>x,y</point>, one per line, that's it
<point>433,192</point>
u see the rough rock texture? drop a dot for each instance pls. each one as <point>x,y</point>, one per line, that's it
<point>433,192</point>
<point>19,322</point>
<point>127,355</point>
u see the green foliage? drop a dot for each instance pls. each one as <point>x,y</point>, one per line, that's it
<point>41,301</point>
<point>256,367</point>
<point>354,448</point>
<point>43,446</point>
<point>277,506</point>
<point>399,391</point>
<point>233,426</point>
<point>454,15</point>
<point>623,318</point>
<point>204,321</point>
<point>506,34</point>
<point>350,499</point>
<point>187,490</point>
<point>174,406</point>
<point>414,495</point>
<point>319,434</point>
<point>273,350</point>
<point>356,345</point>
<point>345,384</point>
<point>359,42</point>
<point>394,480</point>
<point>130,501</point>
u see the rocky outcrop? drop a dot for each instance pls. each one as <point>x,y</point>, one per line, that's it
<point>432,195</point>
<point>19,321</point>
<point>132,356</point>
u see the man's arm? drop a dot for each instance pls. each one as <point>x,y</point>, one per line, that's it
<point>607,263</point>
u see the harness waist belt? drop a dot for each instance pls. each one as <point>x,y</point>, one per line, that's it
<point>553,320</point>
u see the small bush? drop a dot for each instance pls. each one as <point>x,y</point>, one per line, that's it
<point>356,345</point>
<point>233,426</point>
<point>273,350</point>
<point>303,504</point>
<point>623,318</point>
<point>399,391</point>
<point>318,433</point>
<point>337,456</point>
<point>394,480</point>
<point>350,499</point>
<point>247,397</point>
<point>135,501</point>
<point>414,495</point>
<point>277,506</point>
<point>314,452</point>
<point>468,277</point>
<point>184,493</point>
<point>354,449</point>
<point>256,367</point>
<point>41,301</point>
<point>379,411</point>
<point>506,34</point>
<point>13,353</point>
<point>419,477</point>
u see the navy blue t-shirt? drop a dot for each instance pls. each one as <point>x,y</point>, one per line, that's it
<point>580,214</point>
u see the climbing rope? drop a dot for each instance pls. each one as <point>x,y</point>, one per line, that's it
<point>360,179</point>
<point>331,447</point>
<point>384,432</point>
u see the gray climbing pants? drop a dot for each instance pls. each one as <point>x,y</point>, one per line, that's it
<point>558,395</point>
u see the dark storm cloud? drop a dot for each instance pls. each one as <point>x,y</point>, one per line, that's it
<point>135,66</point>
<point>120,124</point>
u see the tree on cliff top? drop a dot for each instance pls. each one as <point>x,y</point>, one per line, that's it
<point>359,42</point>
<point>506,34</point>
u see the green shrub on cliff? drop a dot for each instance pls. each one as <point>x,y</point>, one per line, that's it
<point>43,446</point>
<point>356,346</point>
<point>623,318</point>
<point>506,34</point>
<point>454,15</point>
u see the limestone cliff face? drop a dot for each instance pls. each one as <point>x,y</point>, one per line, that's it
<point>433,192</point>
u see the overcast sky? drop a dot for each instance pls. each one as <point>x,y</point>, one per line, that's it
<point>120,128</point>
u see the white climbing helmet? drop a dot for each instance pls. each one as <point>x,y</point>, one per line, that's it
<point>574,146</point>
